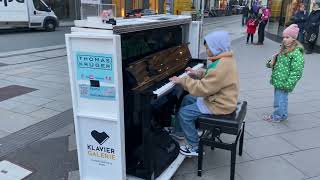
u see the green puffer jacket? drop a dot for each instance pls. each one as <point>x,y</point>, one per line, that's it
<point>288,69</point>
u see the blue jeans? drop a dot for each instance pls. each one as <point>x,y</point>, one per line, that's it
<point>185,120</point>
<point>280,105</point>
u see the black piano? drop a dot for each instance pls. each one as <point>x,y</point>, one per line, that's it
<point>149,59</point>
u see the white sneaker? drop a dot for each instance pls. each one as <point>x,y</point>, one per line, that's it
<point>188,150</point>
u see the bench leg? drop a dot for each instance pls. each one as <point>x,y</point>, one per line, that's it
<point>200,156</point>
<point>233,161</point>
<point>241,139</point>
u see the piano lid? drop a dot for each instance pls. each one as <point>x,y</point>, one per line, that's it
<point>158,66</point>
<point>135,24</point>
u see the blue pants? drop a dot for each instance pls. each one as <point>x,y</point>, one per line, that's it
<point>185,120</point>
<point>280,105</point>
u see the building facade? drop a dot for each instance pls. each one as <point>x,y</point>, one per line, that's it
<point>281,12</point>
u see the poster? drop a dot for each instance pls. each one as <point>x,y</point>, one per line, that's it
<point>100,93</point>
<point>94,66</point>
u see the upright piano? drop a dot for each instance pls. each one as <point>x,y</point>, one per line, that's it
<point>153,49</point>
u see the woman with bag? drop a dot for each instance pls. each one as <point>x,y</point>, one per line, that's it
<point>287,67</point>
<point>312,26</point>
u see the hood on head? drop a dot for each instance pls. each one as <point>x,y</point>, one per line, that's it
<point>218,42</point>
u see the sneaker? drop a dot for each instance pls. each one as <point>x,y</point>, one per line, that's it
<point>269,118</point>
<point>188,150</point>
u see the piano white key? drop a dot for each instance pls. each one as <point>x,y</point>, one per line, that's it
<point>170,85</point>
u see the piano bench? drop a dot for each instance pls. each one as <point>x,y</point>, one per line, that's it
<point>214,126</point>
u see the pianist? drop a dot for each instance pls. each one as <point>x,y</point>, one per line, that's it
<point>211,91</point>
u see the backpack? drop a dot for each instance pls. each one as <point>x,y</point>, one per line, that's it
<point>165,151</point>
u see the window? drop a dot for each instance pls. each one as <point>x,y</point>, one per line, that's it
<point>39,5</point>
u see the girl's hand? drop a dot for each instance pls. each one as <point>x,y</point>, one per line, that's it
<point>174,79</point>
<point>192,73</point>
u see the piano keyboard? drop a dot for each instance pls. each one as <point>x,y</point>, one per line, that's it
<point>170,85</point>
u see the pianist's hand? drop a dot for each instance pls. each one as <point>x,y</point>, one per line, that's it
<point>174,79</point>
<point>192,73</point>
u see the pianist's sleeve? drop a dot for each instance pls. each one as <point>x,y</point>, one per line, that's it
<point>212,83</point>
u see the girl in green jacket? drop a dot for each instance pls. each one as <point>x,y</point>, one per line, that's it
<point>287,68</point>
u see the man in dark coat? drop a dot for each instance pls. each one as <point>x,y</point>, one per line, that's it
<point>312,27</point>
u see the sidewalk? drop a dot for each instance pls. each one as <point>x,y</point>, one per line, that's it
<point>36,125</point>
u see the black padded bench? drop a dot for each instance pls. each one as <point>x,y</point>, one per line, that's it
<point>214,126</point>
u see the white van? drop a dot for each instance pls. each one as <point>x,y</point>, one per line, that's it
<point>27,13</point>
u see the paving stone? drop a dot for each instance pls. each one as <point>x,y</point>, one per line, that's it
<point>51,54</point>
<point>74,175</point>
<point>303,121</point>
<point>316,114</point>
<point>9,104</point>
<point>267,146</point>
<point>59,106</point>
<point>13,91</point>
<point>72,145</point>
<point>314,178</point>
<point>25,108</point>
<point>222,173</point>
<point>263,128</point>
<point>302,108</point>
<point>12,122</point>
<point>187,166</point>
<point>274,168</point>
<point>43,113</point>
<point>304,139</point>
<point>20,59</point>
<point>306,161</point>
<point>220,157</point>
<point>45,93</point>
<point>37,101</point>
<point>65,131</point>
<point>3,133</point>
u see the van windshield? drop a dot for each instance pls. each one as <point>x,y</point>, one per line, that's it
<point>40,6</point>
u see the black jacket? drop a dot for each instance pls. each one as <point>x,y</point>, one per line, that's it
<point>300,18</point>
<point>313,22</point>
<point>245,11</point>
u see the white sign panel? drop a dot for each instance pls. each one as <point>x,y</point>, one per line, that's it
<point>100,149</point>
<point>91,1</point>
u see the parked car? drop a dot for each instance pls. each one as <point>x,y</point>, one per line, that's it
<point>140,12</point>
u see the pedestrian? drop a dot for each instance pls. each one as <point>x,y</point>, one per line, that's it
<point>300,19</point>
<point>245,14</point>
<point>287,67</point>
<point>252,24</point>
<point>312,27</point>
<point>212,91</point>
<point>264,16</point>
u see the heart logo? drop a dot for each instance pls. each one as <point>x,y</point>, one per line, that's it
<point>99,137</point>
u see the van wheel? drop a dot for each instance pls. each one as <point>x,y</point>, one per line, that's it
<point>50,26</point>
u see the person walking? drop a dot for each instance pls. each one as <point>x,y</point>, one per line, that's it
<point>300,19</point>
<point>312,27</point>
<point>245,14</point>
<point>287,68</point>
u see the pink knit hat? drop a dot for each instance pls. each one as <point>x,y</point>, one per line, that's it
<point>292,31</point>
